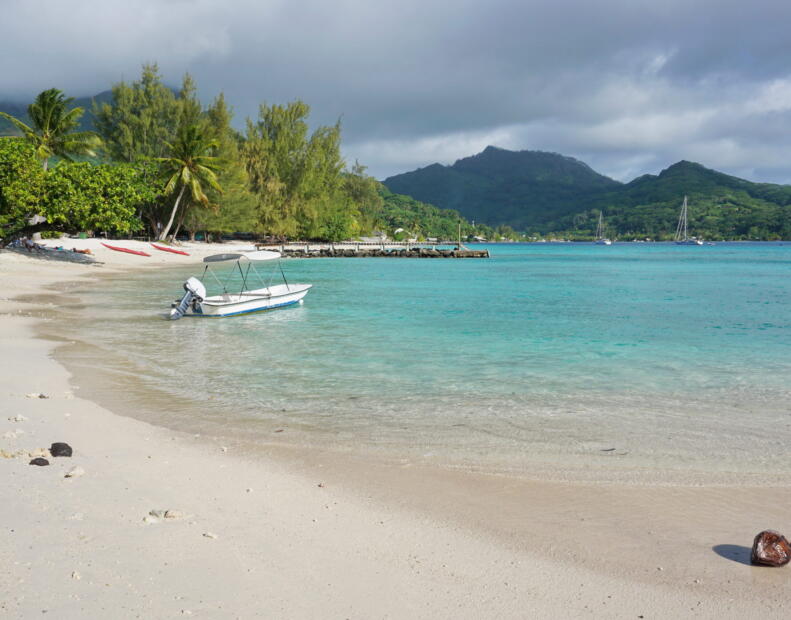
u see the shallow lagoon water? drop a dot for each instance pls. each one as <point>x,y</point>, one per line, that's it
<point>634,356</point>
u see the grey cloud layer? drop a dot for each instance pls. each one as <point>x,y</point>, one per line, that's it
<point>626,85</point>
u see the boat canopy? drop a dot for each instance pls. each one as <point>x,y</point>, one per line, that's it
<point>256,256</point>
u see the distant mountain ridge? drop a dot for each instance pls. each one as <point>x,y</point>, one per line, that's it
<point>535,190</point>
<point>497,186</point>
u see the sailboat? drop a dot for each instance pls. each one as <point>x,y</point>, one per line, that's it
<point>600,238</point>
<point>682,238</point>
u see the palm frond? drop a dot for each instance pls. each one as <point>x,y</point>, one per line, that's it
<point>171,184</point>
<point>18,124</point>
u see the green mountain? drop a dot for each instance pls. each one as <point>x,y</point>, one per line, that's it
<point>545,192</point>
<point>721,206</point>
<point>418,218</point>
<point>19,110</point>
<point>524,189</point>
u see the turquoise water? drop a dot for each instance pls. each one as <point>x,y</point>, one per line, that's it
<point>544,355</point>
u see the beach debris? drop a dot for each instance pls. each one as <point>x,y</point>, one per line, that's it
<point>40,462</point>
<point>320,485</point>
<point>43,452</point>
<point>770,548</point>
<point>75,472</point>
<point>154,516</point>
<point>174,514</point>
<point>76,575</point>
<point>60,449</point>
<point>209,535</point>
<point>16,418</point>
<point>607,450</point>
<point>36,395</point>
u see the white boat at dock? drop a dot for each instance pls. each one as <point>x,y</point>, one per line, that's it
<point>196,302</point>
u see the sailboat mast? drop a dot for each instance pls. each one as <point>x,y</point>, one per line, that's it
<point>685,218</point>
<point>681,227</point>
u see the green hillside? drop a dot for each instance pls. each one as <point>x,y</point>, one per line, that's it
<point>721,206</point>
<point>524,189</point>
<point>549,193</point>
<point>418,218</point>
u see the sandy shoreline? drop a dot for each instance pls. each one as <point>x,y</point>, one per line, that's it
<point>372,541</point>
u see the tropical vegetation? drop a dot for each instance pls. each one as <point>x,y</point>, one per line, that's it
<point>52,128</point>
<point>154,161</point>
<point>184,169</point>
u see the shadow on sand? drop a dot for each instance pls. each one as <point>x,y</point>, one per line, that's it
<point>54,255</point>
<point>735,553</point>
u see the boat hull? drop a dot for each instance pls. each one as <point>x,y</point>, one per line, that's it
<point>167,249</point>
<point>258,300</point>
<point>117,248</point>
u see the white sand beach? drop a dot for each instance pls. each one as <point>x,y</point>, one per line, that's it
<point>289,535</point>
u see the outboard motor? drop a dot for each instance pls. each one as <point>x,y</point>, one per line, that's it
<point>195,291</point>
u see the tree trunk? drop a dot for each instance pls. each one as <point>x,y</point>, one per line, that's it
<point>163,235</point>
<point>180,222</point>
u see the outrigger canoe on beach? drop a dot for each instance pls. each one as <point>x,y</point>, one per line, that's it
<point>167,249</point>
<point>196,303</point>
<point>118,248</point>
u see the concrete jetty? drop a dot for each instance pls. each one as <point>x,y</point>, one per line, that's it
<point>373,250</point>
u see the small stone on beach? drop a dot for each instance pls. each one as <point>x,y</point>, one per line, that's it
<point>76,575</point>
<point>36,395</point>
<point>60,449</point>
<point>40,462</point>
<point>209,535</point>
<point>770,548</point>
<point>17,418</point>
<point>148,519</point>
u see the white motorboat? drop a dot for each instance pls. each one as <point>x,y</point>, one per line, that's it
<point>682,238</point>
<point>600,238</point>
<point>196,302</point>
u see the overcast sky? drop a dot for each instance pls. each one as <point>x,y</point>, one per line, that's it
<point>628,86</point>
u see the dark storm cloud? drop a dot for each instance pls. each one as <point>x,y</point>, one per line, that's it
<point>628,86</point>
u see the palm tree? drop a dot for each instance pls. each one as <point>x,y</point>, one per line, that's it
<point>190,166</point>
<point>53,127</point>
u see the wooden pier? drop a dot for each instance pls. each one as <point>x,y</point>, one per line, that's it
<point>373,250</point>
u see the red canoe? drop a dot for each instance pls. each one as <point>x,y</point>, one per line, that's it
<point>171,250</point>
<point>127,250</point>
